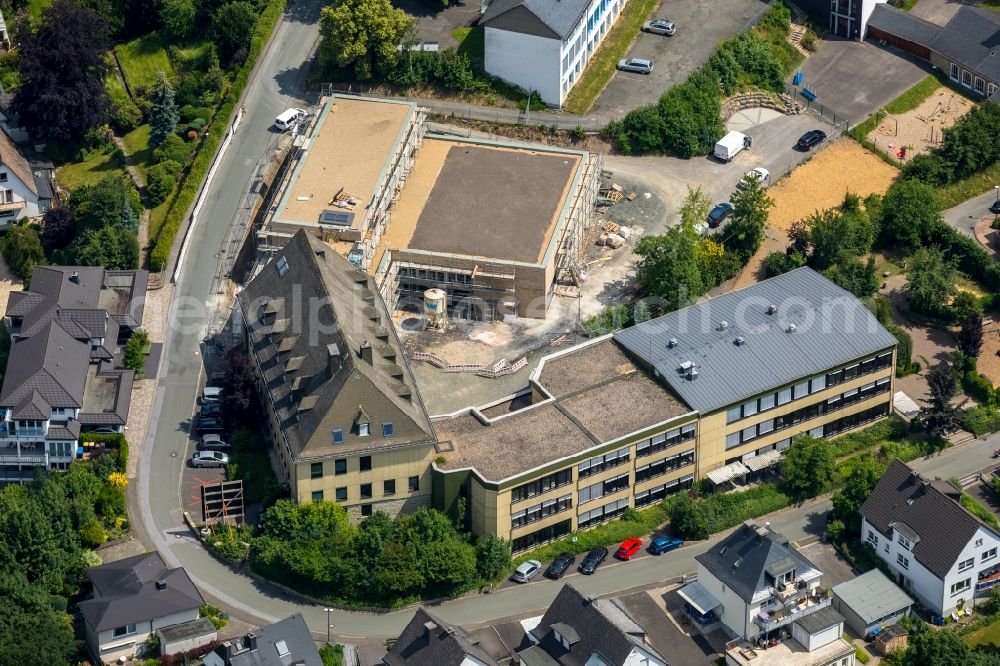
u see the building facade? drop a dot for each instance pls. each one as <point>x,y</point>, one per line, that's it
<point>25,191</point>
<point>844,18</point>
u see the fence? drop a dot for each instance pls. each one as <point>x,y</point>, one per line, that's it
<point>817,107</point>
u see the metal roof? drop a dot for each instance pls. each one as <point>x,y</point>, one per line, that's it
<point>698,596</point>
<point>739,348</point>
<point>758,463</point>
<point>817,621</point>
<point>872,596</point>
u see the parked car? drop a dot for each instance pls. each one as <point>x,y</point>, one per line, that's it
<point>628,548</point>
<point>209,459</point>
<point>210,425</point>
<point>212,409</point>
<point>995,208</point>
<point>664,544</point>
<point>526,571</point>
<point>593,560</point>
<point>211,394</point>
<point>811,138</point>
<point>758,173</point>
<point>719,214</point>
<point>637,65</point>
<point>660,27</point>
<point>560,565</point>
<point>213,442</point>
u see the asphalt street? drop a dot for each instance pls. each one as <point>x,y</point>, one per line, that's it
<point>964,216</point>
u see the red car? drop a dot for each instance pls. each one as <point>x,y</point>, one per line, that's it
<point>628,548</point>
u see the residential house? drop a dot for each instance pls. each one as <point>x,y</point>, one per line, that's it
<point>427,641</point>
<point>25,191</point>
<point>341,401</point>
<point>284,643</point>
<point>132,599</point>
<point>578,630</point>
<point>964,49</point>
<point>817,639</point>
<point>62,375</point>
<point>843,18</point>
<point>870,602</point>
<point>938,550</point>
<point>543,46</point>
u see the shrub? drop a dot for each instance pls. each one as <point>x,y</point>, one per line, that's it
<point>696,519</point>
<point>92,534</point>
<point>861,655</point>
<point>776,263</point>
<point>125,115</point>
<point>111,502</point>
<point>160,183</point>
<point>173,149</point>
<point>977,509</point>
<point>904,351</point>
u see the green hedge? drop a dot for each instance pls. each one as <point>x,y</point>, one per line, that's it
<point>159,254</point>
<point>889,429</point>
<point>115,440</point>
<point>977,509</point>
<point>981,420</point>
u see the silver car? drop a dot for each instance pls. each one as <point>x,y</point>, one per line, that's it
<point>660,27</point>
<point>637,65</point>
<point>526,571</point>
<point>209,459</point>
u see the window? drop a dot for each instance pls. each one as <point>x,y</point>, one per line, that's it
<point>127,630</point>
<point>732,440</point>
<point>962,566</point>
<point>767,401</point>
<point>749,408</point>
<point>980,86</point>
<point>733,414</point>
<point>340,466</point>
<point>362,430</point>
<point>341,494</point>
<point>784,396</point>
<point>601,463</point>
<point>282,266</point>
<point>366,510</point>
<point>542,485</point>
<point>3,177</point>
<point>902,561</point>
<point>872,539</point>
<point>966,78</point>
<point>765,426</point>
<point>905,543</point>
<point>989,554</point>
<point>317,496</point>
<point>817,384</point>
<point>366,491</point>
<point>953,74</point>
<point>316,470</point>
<point>338,436</point>
<point>539,511</point>
<point>961,586</point>
<point>366,463</point>
<point>388,430</point>
<point>389,487</point>
<point>801,390</point>
<point>414,484</point>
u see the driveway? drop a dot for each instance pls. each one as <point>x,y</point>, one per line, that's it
<point>855,79</point>
<point>939,11</point>
<point>436,26</point>
<point>650,610</point>
<point>701,25</point>
<point>964,216</point>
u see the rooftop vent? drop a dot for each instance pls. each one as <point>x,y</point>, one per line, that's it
<point>74,277</point>
<point>686,366</point>
<point>671,343</point>
<point>161,584</point>
<point>772,308</point>
<point>791,328</point>
<point>692,374</point>
<point>909,501</point>
<point>737,563</point>
<point>739,341</point>
<point>723,325</point>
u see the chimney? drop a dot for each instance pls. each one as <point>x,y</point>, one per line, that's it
<point>74,277</point>
<point>366,352</point>
<point>252,641</point>
<point>591,598</point>
<point>332,359</point>
<point>161,584</point>
<point>430,627</point>
<point>772,308</point>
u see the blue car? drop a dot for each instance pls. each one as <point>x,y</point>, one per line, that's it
<point>664,544</point>
<point>719,214</point>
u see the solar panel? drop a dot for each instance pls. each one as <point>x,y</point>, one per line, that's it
<point>338,218</point>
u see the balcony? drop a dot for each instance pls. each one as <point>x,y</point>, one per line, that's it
<point>794,606</point>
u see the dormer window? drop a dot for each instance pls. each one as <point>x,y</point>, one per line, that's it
<point>363,430</point>
<point>338,436</point>
<point>282,266</point>
<point>362,424</point>
<point>388,430</point>
<point>904,542</point>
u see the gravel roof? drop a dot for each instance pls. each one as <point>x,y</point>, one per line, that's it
<point>583,367</point>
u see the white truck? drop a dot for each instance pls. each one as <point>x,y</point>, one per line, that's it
<point>730,145</point>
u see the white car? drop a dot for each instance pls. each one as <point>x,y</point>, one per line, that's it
<point>526,571</point>
<point>209,459</point>
<point>757,173</point>
<point>660,27</point>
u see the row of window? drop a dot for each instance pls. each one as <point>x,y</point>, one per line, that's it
<point>365,490</point>
<point>807,387</point>
<point>807,413</point>
<point>601,463</point>
<point>602,488</point>
<point>657,493</point>
<point>542,485</point>
<point>664,440</point>
<point>340,467</point>
<point>602,513</point>
<point>971,81</point>
<point>362,430</point>
<point>661,467</point>
<point>855,420</point>
<point>545,534</point>
<point>435,276</point>
<point>539,511</point>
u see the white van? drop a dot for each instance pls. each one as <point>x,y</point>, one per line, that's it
<point>289,118</point>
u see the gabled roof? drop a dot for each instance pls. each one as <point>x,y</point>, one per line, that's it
<point>944,526</point>
<point>137,589</point>
<point>972,39</point>
<point>12,158</point>
<point>52,364</point>
<point>756,351</point>
<point>427,641</point>
<point>872,596</point>
<point>340,341</point>
<point>544,18</point>
<point>602,626</point>
<point>741,560</point>
<point>903,24</point>
<point>284,643</point>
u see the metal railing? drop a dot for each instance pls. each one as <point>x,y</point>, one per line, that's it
<point>771,625</point>
<point>838,120</point>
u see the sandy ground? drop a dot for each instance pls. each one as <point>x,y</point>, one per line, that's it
<point>989,355</point>
<point>821,183</point>
<point>920,130</point>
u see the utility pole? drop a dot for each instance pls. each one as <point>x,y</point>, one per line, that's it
<point>328,625</point>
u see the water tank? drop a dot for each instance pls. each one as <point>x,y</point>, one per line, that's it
<point>436,308</point>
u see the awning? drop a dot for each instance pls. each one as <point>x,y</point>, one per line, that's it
<point>727,473</point>
<point>701,599</point>
<point>904,404</point>
<point>763,461</point>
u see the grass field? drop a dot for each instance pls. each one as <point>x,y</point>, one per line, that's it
<point>602,65</point>
<point>97,165</point>
<point>137,147</point>
<point>974,185</point>
<point>471,42</point>
<point>913,97</point>
<point>988,636</point>
<point>143,59</point>
<point>158,215</point>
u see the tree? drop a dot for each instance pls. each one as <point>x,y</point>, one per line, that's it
<point>744,232</point>
<point>22,249</point>
<point>856,276</point>
<point>777,263</point>
<point>27,611</point>
<point>134,357</point>
<point>930,282</point>
<point>62,71</point>
<point>178,17</point>
<point>114,248</point>
<point>964,304</point>
<point>834,233</point>
<point>669,269</point>
<point>686,519</point>
<point>160,182</point>
<point>808,466</point>
<point>492,557</point>
<point>57,229</point>
<point>448,563</point>
<point>361,36</point>
<point>970,336</point>
<point>941,417</point>
<point>641,312</point>
<point>163,113</point>
<point>112,201</point>
<point>909,214</point>
<point>941,648</point>
<point>233,24</point>
<point>857,486</point>
<point>695,208</point>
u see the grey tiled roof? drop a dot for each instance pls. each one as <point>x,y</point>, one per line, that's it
<point>741,559</point>
<point>944,526</point>
<point>69,430</point>
<point>283,643</point>
<point>125,592</point>
<point>427,641</point>
<point>832,327</point>
<point>972,39</point>
<point>52,363</point>
<point>533,16</point>
<point>872,596</point>
<point>312,361</point>
<point>903,24</point>
<point>32,408</point>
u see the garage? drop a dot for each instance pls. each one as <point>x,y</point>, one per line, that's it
<point>901,30</point>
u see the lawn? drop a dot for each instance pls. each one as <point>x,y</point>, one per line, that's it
<point>602,66</point>
<point>913,97</point>
<point>191,55</point>
<point>974,185</point>
<point>472,43</point>
<point>137,147</point>
<point>158,215</point>
<point>97,165</point>
<point>143,59</point>
<point>988,635</point>
<point>35,8</point>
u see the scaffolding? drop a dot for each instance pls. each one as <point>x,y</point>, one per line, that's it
<point>580,219</point>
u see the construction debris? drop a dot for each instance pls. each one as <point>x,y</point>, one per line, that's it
<point>610,227</point>
<point>343,199</point>
<point>614,196</point>
<point>614,241</point>
<point>631,196</point>
<point>602,240</point>
<point>558,341</point>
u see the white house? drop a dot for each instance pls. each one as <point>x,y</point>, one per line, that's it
<point>24,191</point>
<point>542,46</point>
<point>940,552</point>
<point>134,598</point>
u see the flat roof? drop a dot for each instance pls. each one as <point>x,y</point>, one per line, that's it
<point>583,366</point>
<point>350,148</point>
<point>789,653</point>
<point>482,200</point>
<point>872,596</point>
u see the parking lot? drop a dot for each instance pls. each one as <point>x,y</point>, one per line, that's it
<point>700,28</point>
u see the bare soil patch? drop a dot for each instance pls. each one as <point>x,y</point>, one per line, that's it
<point>918,131</point>
<point>989,354</point>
